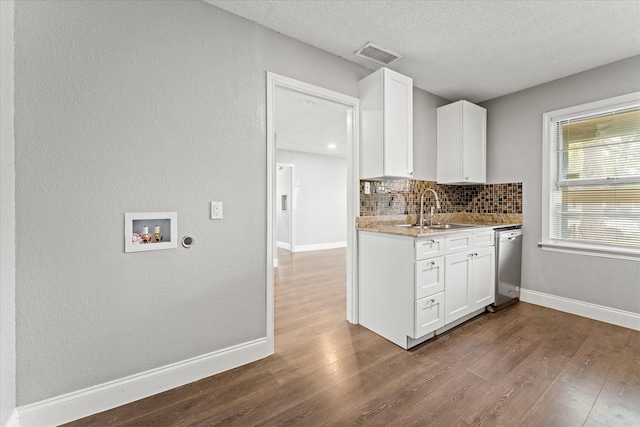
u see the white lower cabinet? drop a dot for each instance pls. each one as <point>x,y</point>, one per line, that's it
<point>469,282</point>
<point>411,287</point>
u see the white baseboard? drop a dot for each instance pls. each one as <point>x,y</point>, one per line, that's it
<point>14,419</point>
<point>82,403</point>
<point>614,316</point>
<point>283,245</point>
<point>319,247</point>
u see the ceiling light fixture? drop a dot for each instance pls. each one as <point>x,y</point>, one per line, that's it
<point>331,146</point>
<point>307,103</point>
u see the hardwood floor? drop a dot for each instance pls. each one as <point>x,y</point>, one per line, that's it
<point>524,365</point>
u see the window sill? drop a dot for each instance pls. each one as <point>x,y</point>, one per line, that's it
<point>592,250</point>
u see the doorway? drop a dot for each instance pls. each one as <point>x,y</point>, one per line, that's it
<point>350,105</point>
<point>285,217</point>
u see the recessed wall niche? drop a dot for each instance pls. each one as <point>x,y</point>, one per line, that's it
<point>150,231</point>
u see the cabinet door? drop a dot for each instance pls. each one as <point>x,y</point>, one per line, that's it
<point>429,277</point>
<point>449,143</point>
<point>398,124</point>
<point>457,271</point>
<point>429,315</point>
<point>474,131</point>
<point>483,282</point>
<point>461,143</point>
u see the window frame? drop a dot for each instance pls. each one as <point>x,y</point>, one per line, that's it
<point>549,124</point>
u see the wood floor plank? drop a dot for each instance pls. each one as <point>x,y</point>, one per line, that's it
<point>523,365</point>
<point>590,366</point>
<point>442,405</point>
<point>505,355</point>
<point>619,401</point>
<point>510,396</point>
<point>561,405</point>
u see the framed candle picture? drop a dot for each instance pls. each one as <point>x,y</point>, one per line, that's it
<point>150,231</point>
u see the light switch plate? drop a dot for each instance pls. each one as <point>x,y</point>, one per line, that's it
<point>216,210</point>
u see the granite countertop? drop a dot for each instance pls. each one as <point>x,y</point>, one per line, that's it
<point>389,224</point>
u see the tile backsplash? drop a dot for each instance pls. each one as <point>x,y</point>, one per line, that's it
<point>402,197</point>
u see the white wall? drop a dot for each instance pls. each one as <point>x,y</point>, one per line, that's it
<point>320,198</point>
<point>7,216</point>
<point>130,107</point>
<point>514,153</point>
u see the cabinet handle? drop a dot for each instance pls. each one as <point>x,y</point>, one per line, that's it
<point>466,178</point>
<point>433,301</point>
<point>432,263</point>
<point>432,241</point>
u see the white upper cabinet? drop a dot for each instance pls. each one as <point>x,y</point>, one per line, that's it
<point>462,144</point>
<point>386,117</point>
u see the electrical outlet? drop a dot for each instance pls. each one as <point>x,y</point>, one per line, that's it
<point>216,210</point>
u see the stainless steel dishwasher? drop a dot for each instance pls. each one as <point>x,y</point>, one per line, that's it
<point>508,267</point>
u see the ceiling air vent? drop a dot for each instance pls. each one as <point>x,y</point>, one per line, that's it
<point>377,54</point>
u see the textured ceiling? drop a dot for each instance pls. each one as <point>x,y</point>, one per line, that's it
<point>474,50</point>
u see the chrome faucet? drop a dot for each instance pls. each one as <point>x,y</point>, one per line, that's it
<point>432,212</point>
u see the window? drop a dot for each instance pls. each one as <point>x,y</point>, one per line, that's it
<point>591,178</point>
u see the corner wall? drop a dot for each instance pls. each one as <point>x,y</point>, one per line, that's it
<point>514,153</point>
<point>141,106</point>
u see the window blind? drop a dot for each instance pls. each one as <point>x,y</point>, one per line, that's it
<point>596,194</point>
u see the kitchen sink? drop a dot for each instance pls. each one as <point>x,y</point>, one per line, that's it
<point>447,226</point>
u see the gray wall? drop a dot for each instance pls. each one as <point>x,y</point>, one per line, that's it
<point>425,105</point>
<point>133,107</point>
<point>7,218</point>
<point>514,152</point>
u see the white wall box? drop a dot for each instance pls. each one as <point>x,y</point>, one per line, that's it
<point>461,144</point>
<point>163,223</point>
<point>386,119</point>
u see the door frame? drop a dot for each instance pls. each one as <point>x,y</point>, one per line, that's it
<point>292,217</point>
<point>353,190</point>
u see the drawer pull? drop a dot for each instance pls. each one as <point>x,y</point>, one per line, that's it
<point>432,301</point>
<point>432,263</point>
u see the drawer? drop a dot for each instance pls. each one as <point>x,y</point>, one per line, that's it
<point>429,277</point>
<point>483,238</point>
<point>430,247</point>
<point>458,242</point>
<point>429,314</point>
